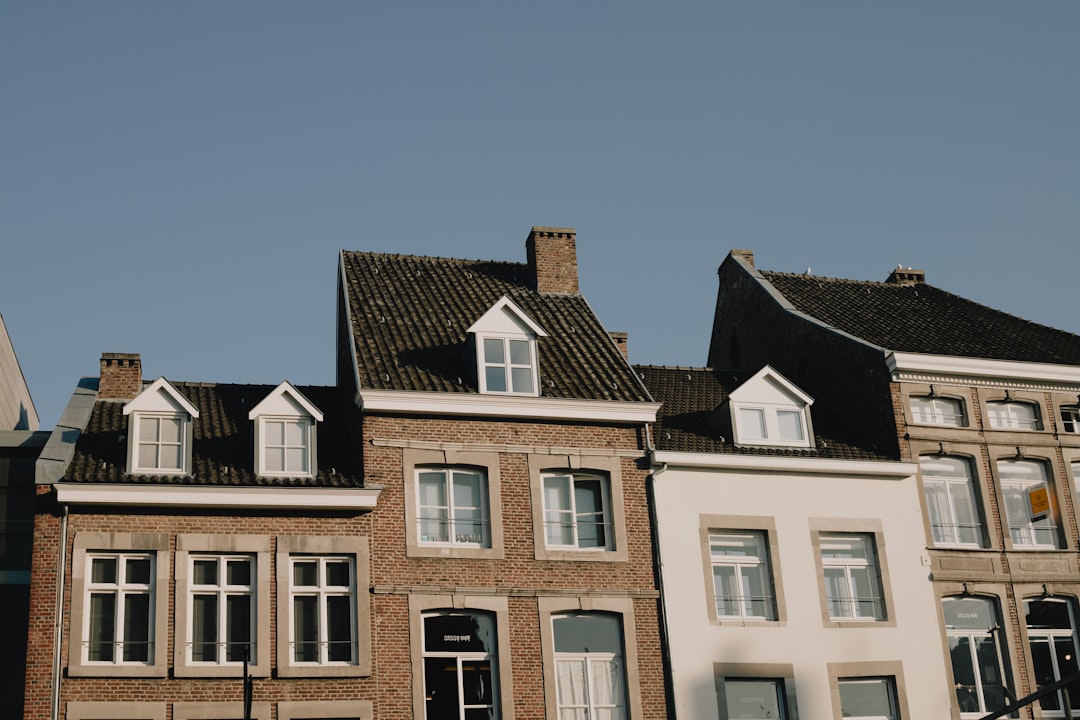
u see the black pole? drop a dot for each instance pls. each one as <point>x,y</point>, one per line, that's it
<point>247,686</point>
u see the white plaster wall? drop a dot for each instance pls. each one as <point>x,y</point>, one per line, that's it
<point>684,495</point>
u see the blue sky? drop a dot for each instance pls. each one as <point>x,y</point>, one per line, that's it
<point>177,179</point>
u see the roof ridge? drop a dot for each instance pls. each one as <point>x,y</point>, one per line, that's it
<point>853,281</point>
<point>429,258</point>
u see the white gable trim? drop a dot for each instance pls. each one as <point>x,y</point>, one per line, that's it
<point>217,496</point>
<point>523,406</point>
<point>505,303</point>
<point>285,388</point>
<point>918,367</point>
<point>146,399</point>
<point>769,373</point>
<point>808,466</point>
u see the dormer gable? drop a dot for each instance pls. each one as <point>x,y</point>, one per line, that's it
<point>285,437</point>
<point>503,343</point>
<point>160,431</point>
<point>769,410</point>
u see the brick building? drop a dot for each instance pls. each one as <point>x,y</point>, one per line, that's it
<point>512,562</point>
<point>987,404</point>
<point>196,526</point>
<point>458,529</point>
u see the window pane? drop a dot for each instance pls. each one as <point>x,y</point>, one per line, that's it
<point>493,351</point>
<point>296,459</point>
<point>148,429</point>
<point>275,432</point>
<point>441,687</point>
<point>339,628</point>
<point>238,572</point>
<point>495,378</point>
<point>138,571</point>
<point>204,628</point>
<point>337,573</point>
<point>466,490</point>
<point>868,698</point>
<point>519,352</point>
<point>102,627</point>
<point>725,583</point>
<point>275,459</point>
<point>169,457</point>
<point>753,699</point>
<point>136,627</point>
<point>148,456</point>
<point>588,498</point>
<point>205,572</point>
<point>294,432</point>
<point>522,379</point>
<point>170,430</point>
<point>305,629</point>
<point>103,570</point>
<point>432,488</point>
<point>592,632</point>
<point>790,423</point>
<point>238,627</point>
<point>306,573</point>
<point>751,424</point>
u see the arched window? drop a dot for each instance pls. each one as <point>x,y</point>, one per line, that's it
<point>951,501</point>
<point>1027,496</point>
<point>459,666</point>
<point>938,411</point>
<point>1051,628</point>
<point>972,627</point>
<point>1007,414</point>
<point>589,670</point>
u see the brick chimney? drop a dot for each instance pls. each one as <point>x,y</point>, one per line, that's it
<point>121,376</point>
<point>906,276</point>
<point>552,254</point>
<point>622,341</point>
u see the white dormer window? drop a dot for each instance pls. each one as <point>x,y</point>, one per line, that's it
<point>285,433</point>
<point>504,339</point>
<point>769,410</point>
<point>159,431</point>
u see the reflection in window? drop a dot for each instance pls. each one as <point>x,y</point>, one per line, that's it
<point>852,587</point>
<point>590,679</point>
<point>453,507</point>
<point>870,698</point>
<point>577,512</point>
<point>937,411</point>
<point>1051,626</point>
<point>754,699</point>
<point>1070,419</point>
<point>741,578</point>
<point>1007,415</point>
<point>971,624</point>
<point>1019,480</point>
<point>459,666</point>
<point>950,500</point>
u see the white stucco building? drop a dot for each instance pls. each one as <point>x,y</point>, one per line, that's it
<point>795,576</point>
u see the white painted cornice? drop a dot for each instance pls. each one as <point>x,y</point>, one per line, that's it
<point>529,408</point>
<point>279,498</point>
<point>917,367</point>
<point>790,465</point>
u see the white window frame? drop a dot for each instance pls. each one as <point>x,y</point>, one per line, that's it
<point>617,709</point>
<point>1070,419</point>
<point>851,602</point>
<point>937,410</point>
<point>570,517</point>
<point>460,657</point>
<point>1052,638</point>
<point>120,589</point>
<point>945,492</point>
<point>886,681</point>
<point>770,433</point>
<point>507,364</point>
<point>140,419</point>
<point>973,636</point>
<point>307,429</point>
<point>450,509</point>
<point>755,561</point>
<point>1003,415</point>
<point>322,591</point>
<point>1024,532</point>
<point>222,591</point>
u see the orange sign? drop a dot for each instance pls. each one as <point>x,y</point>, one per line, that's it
<point>1038,502</point>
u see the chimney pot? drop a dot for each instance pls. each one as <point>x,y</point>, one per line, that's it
<point>552,255</point>
<point>121,376</point>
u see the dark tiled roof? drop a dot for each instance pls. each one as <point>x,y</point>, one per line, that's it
<point>410,315</point>
<point>223,450</point>
<point>924,319</point>
<point>691,395</point>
